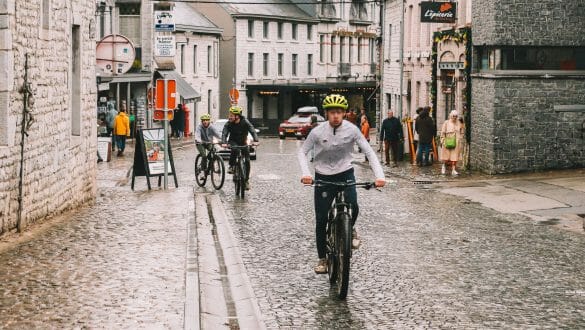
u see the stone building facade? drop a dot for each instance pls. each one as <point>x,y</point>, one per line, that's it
<point>283,55</point>
<point>60,150</point>
<point>528,86</point>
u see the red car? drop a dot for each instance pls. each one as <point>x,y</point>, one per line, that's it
<point>299,125</point>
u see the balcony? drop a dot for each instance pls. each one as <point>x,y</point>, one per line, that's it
<point>344,70</point>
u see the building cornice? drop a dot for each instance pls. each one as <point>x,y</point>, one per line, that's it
<point>277,18</point>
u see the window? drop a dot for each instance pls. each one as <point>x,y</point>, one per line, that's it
<point>129,21</point>
<point>389,42</point>
<point>350,49</point>
<point>250,28</point>
<point>309,32</point>
<point>46,12</point>
<point>265,30</point>
<point>209,59</point>
<point>359,50</point>
<point>332,58</point>
<point>310,65</point>
<point>250,64</point>
<point>372,50</point>
<point>532,58</point>
<point>294,64</point>
<point>215,58</point>
<point>295,28</point>
<point>208,101</point>
<point>195,59</point>
<point>321,48</point>
<point>265,64</point>
<point>280,63</point>
<point>341,49</point>
<point>182,58</point>
<point>75,87</point>
<point>279,30</point>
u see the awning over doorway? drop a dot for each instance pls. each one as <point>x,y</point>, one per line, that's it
<point>131,77</point>
<point>187,93</point>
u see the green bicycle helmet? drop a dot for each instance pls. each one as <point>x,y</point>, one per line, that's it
<point>335,101</point>
<point>236,110</point>
<point>205,116</point>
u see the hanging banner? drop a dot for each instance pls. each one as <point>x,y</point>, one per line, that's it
<point>438,12</point>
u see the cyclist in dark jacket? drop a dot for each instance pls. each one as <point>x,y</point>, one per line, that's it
<point>235,133</point>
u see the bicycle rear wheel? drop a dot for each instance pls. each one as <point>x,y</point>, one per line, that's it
<point>343,253</point>
<point>217,168</point>
<point>200,175</point>
<point>332,261</point>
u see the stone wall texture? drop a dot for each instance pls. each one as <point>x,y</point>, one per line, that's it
<point>59,168</point>
<point>528,22</point>
<point>515,127</point>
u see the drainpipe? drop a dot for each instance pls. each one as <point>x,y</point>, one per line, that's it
<point>381,65</point>
<point>27,120</point>
<point>401,56</point>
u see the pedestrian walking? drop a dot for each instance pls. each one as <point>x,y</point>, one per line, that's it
<point>426,130</point>
<point>365,128</point>
<point>110,116</point>
<point>415,136</point>
<point>451,138</point>
<point>121,130</point>
<point>392,135</point>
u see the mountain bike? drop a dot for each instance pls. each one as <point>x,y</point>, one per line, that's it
<point>240,172</point>
<point>215,167</point>
<point>339,235</point>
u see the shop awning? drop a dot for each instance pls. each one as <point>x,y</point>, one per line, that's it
<point>186,91</point>
<point>131,77</point>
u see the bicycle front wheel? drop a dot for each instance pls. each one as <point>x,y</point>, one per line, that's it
<point>343,254</point>
<point>242,179</point>
<point>217,172</point>
<point>237,182</point>
<point>200,175</point>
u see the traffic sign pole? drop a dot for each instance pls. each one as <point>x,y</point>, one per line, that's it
<point>166,130</point>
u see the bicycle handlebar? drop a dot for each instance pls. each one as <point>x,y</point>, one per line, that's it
<point>365,185</point>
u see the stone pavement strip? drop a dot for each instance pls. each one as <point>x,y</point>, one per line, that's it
<point>227,297</point>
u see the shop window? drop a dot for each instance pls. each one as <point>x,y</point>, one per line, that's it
<point>532,58</point>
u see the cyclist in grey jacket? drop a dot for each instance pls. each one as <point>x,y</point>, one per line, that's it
<point>204,133</point>
<point>333,143</point>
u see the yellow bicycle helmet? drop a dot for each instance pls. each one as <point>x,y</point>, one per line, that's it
<point>335,101</point>
<point>205,116</point>
<point>236,110</point>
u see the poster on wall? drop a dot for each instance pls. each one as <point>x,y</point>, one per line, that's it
<point>438,12</point>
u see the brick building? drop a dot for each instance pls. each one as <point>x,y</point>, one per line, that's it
<point>528,86</point>
<point>60,150</point>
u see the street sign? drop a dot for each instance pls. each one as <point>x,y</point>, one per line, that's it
<point>234,95</point>
<point>160,94</point>
<point>438,12</point>
<point>164,21</point>
<point>164,46</point>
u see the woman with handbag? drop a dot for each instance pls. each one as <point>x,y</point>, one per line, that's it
<point>451,138</point>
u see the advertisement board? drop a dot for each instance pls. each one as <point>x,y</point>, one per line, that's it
<point>164,21</point>
<point>164,46</point>
<point>149,156</point>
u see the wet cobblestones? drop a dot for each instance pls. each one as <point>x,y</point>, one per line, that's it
<point>116,265</point>
<point>428,260</point>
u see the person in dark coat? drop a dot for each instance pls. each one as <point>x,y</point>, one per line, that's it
<point>391,134</point>
<point>179,121</point>
<point>427,130</point>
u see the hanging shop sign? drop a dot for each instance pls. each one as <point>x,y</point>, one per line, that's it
<point>438,12</point>
<point>164,21</point>
<point>357,33</point>
<point>164,46</point>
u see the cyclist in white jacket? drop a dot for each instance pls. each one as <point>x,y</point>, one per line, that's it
<point>333,143</point>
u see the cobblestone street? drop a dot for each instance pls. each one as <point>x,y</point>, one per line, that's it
<point>428,260</point>
<point>116,265</point>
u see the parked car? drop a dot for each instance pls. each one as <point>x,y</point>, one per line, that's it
<point>299,125</point>
<point>225,152</point>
